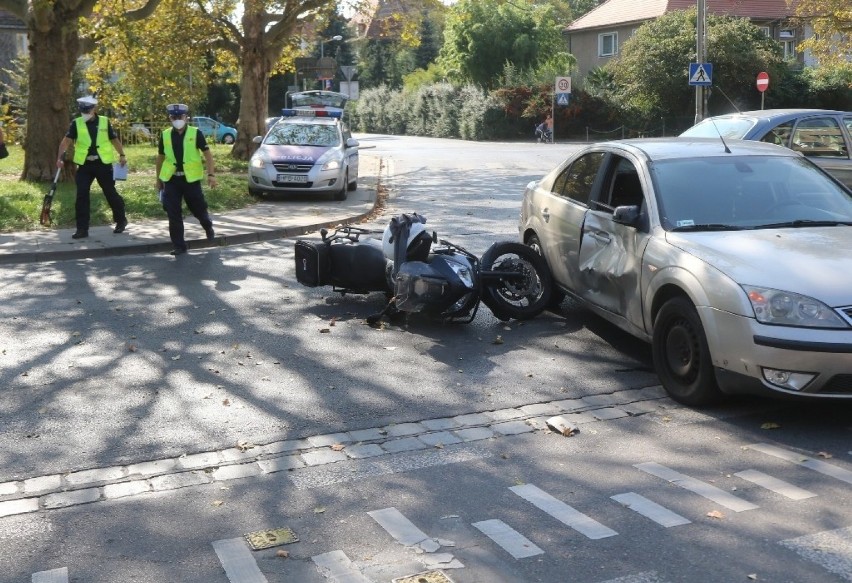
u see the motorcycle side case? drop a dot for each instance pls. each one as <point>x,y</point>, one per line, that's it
<point>312,263</point>
<point>358,267</point>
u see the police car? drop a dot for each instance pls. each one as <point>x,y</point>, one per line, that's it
<point>306,151</point>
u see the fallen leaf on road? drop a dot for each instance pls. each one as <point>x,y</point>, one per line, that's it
<point>753,576</point>
<point>715,514</point>
<point>131,348</point>
<point>282,553</point>
<point>176,357</point>
<point>770,425</point>
<point>226,402</point>
<point>825,455</point>
<point>319,510</point>
<point>498,340</point>
<point>218,503</point>
<point>324,331</point>
<point>337,447</point>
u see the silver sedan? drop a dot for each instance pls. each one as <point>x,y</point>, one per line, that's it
<point>732,260</point>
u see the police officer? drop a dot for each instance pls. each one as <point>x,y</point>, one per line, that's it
<point>95,144</point>
<point>179,174</point>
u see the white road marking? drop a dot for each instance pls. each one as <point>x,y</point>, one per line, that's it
<point>647,577</point>
<point>510,539</point>
<point>804,461</point>
<point>336,566</point>
<point>562,512</point>
<point>775,484</point>
<point>650,509</point>
<point>713,493</point>
<point>238,562</point>
<point>830,549</point>
<point>398,526</point>
<point>53,576</point>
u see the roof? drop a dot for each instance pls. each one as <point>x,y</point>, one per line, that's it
<point>614,12</point>
<point>685,147</point>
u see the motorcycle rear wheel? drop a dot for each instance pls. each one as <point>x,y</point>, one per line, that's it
<point>521,297</point>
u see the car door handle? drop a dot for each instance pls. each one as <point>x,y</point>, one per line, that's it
<point>545,214</point>
<point>600,237</point>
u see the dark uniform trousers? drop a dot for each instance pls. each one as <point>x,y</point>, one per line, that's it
<point>87,173</point>
<point>175,191</point>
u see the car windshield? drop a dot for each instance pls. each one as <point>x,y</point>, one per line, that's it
<point>747,192</point>
<point>302,134</point>
<point>729,128</point>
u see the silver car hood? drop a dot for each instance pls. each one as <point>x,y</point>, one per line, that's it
<point>814,261</point>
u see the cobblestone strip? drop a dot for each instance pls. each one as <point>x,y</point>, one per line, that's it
<point>97,484</point>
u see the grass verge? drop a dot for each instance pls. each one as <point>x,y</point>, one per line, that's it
<point>20,201</point>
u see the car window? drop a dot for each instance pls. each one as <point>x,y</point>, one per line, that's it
<point>575,182</point>
<point>847,121</point>
<point>780,134</point>
<point>745,192</point>
<point>729,128</point>
<point>623,187</point>
<point>820,136</point>
<point>298,134</point>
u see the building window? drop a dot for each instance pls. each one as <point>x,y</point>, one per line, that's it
<point>789,49</point>
<point>607,44</point>
<point>786,33</point>
<point>766,31</point>
<point>21,47</point>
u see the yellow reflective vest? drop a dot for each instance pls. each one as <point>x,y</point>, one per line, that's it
<point>102,143</point>
<point>193,167</point>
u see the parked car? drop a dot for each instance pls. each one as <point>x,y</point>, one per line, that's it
<point>823,135</point>
<point>731,260</point>
<point>215,130</point>
<point>306,151</point>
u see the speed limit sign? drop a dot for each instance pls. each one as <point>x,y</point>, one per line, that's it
<point>563,85</point>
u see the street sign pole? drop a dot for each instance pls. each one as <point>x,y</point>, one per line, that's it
<point>700,57</point>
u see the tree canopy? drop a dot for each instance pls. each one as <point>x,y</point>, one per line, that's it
<point>650,74</point>
<point>482,36</point>
<point>831,22</point>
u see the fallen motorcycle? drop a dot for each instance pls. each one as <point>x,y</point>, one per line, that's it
<point>420,273</point>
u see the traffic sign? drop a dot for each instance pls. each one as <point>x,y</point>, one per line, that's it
<point>562,98</point>
<point>563,85</point>
<point>762,81</point>
<point>701,74</point>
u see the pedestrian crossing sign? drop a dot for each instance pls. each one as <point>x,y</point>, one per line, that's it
<point>701,74</point>
<point>562,99</point>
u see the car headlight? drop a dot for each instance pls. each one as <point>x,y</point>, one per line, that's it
<point>772,306</point>
<point>257,162</point>
<point>331,165</point>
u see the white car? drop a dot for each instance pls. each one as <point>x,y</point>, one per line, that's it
<point>731,259</point>
<point>306,151</point>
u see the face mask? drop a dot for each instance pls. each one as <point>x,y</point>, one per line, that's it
<point>178,123</point>
<point>88,116</point>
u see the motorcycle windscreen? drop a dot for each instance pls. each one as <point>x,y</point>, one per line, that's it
<point>418,286</point>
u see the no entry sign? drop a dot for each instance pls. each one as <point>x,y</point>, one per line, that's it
<point>762,81</point>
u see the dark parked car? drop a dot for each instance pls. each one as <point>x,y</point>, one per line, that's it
<point>731,260</point>
<point>822,135</point>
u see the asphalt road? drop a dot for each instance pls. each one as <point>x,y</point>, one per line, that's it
<point>157,410</point>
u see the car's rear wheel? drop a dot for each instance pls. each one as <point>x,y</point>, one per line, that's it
<point>228,139</point>
<point>681,355</point>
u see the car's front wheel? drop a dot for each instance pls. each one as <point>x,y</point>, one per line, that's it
<point>556,295</point>
<point>228,139</point>
<point>341,194</point>
<point>681,355</point>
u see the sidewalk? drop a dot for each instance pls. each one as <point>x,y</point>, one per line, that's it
<point>271,219</point>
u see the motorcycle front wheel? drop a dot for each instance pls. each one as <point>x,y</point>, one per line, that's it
<point>522,291</point>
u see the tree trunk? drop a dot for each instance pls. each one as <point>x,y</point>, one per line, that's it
<point>53,52</point>
<point>254,85</point>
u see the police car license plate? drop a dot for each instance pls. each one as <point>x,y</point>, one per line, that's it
<point>292,178</point>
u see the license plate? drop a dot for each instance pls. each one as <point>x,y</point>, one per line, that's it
<point>292,178</point>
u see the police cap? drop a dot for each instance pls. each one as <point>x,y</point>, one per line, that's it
<point>177,109</point>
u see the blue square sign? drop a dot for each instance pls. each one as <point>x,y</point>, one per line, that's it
<point>701,74</point>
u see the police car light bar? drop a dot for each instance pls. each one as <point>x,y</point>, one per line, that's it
<point>311,113</point>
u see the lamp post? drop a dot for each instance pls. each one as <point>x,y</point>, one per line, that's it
<point>322,44</point>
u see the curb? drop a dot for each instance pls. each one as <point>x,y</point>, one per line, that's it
<point>219,241</point>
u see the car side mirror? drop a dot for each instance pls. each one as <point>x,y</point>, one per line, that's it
<point>352,143</point>
<point>626,215</point>
<point>257,139</point>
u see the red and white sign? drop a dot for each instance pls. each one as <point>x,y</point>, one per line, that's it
<point>762,81</point>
